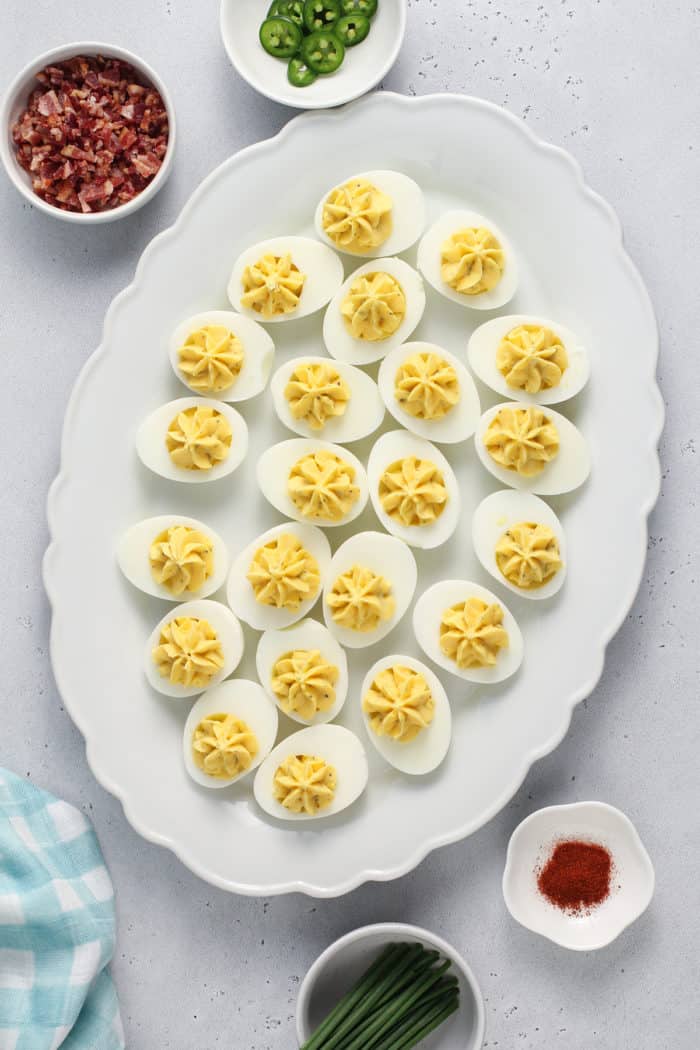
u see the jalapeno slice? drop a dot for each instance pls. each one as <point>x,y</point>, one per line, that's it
<point>299,74</point>
<point>323,52</point>
<point>359,7</point>
<point>321,14</point>
<point>352,29</point>
<point>291,9</point>
<point>280,37</point>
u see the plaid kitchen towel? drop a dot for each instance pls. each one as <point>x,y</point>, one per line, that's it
<point>56,927</point>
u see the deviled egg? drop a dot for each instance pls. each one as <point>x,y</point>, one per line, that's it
<point>228,733</point>
<point>318,397</point>
<point>314,773</point>
<point>532,448</point>
<point>194,647</point>
<point>374,213</point>
<point>529,358</point>
<point>429,392</point>
<point>304,670</point>
<point>413,489</point>
<point>277,579</point>
<point>284,278</point>
<point>193,439</point>
<point>370,584</point>
<point>222,354</point>
<point>375,310</point>
<point>520,541</point>
<point>313,481</point>
<point>468,631</point>
<point>406,714</point>
<point>173,556</point>
<point>469,260</point>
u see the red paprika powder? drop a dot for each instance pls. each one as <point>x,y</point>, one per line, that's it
<point>576,876</point>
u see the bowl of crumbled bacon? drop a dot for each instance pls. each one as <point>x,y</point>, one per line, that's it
<point>89,132</point>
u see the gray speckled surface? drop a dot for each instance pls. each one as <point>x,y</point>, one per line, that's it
<point>617,84</point>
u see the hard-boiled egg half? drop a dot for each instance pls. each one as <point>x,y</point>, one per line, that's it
<point>533,448</point>
<point>370,584</point>
<point>319,397</point>
<point>194,647</point>
<point>222,354</point>
<point>406,713</point>
<point>313,481</point>
<point>304,670</point>
<point>277,578</point>
<point>228,733</point>
<point>529,358</point>
<point>173,557</point>
<point>520,541</point>
<point>413,489</point>
<point>193,439</point>
<point>376,309</point>
<point>429,391</point>
<point>314,773</point>
<point>284,278</point>
<point>374,213</point>
<point>468,631</point>
<point>469,260</point>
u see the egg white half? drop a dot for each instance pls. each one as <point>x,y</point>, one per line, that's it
<point>244,700</point>
<point>495,515</point>
<point>153,451</point>
<point>228,630</point>
<point>407,213</point>
<point>364,410</point>
<point>258,350</point>
<point>429,260</point>
<point>133,558</point>
<point>273,471</point>
<point>239,591</point>
<point>427,615</point>
<point>338,746</point>
<point>308,634</point>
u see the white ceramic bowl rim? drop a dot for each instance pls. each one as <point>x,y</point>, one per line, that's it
<point>19,87</point>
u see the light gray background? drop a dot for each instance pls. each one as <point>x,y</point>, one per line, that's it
<point>617,83</point>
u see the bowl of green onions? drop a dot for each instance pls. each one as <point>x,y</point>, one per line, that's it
<point>390,986</point>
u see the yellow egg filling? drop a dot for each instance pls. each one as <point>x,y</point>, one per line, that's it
<point>360,599</point>
<point>181,559</point>
<point>223,746</point>
<point>304,682</point>
<point>426,386</point>
<point>532,358</point>
<point>199,438</point>
<point>316,393</point>
<point>189,652</point>
<point>211,359</point>
<point>472,633</point>
<point>283,573</point>
<point>305,784</point>
<point>374,307</point>
<point>412,491</point>
<point>399,703</point>
<point>357,216</point>
<point>528,555</point>
<point>522,439</point>
<point>272,286</point>
<point>321,485</point>
<point>472,261</point>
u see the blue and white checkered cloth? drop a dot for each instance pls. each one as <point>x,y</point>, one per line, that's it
<point>56,927</point>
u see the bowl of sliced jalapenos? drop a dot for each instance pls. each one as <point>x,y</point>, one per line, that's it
<point>313,54</point>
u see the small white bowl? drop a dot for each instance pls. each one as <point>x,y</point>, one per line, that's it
<point>632,879</point>
<point>344,961</point>
<point>364,65</point>
<point>14,102</point>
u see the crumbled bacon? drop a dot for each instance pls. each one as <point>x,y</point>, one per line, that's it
<point>93,134</point>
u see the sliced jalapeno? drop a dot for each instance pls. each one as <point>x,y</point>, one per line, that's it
<point>352,29</point>
<point>280,37</point>
<point>360,7</point>
<point>321,14</point>
<point>299,74</point>
<point>323,52</point>
<point>291,9</point>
